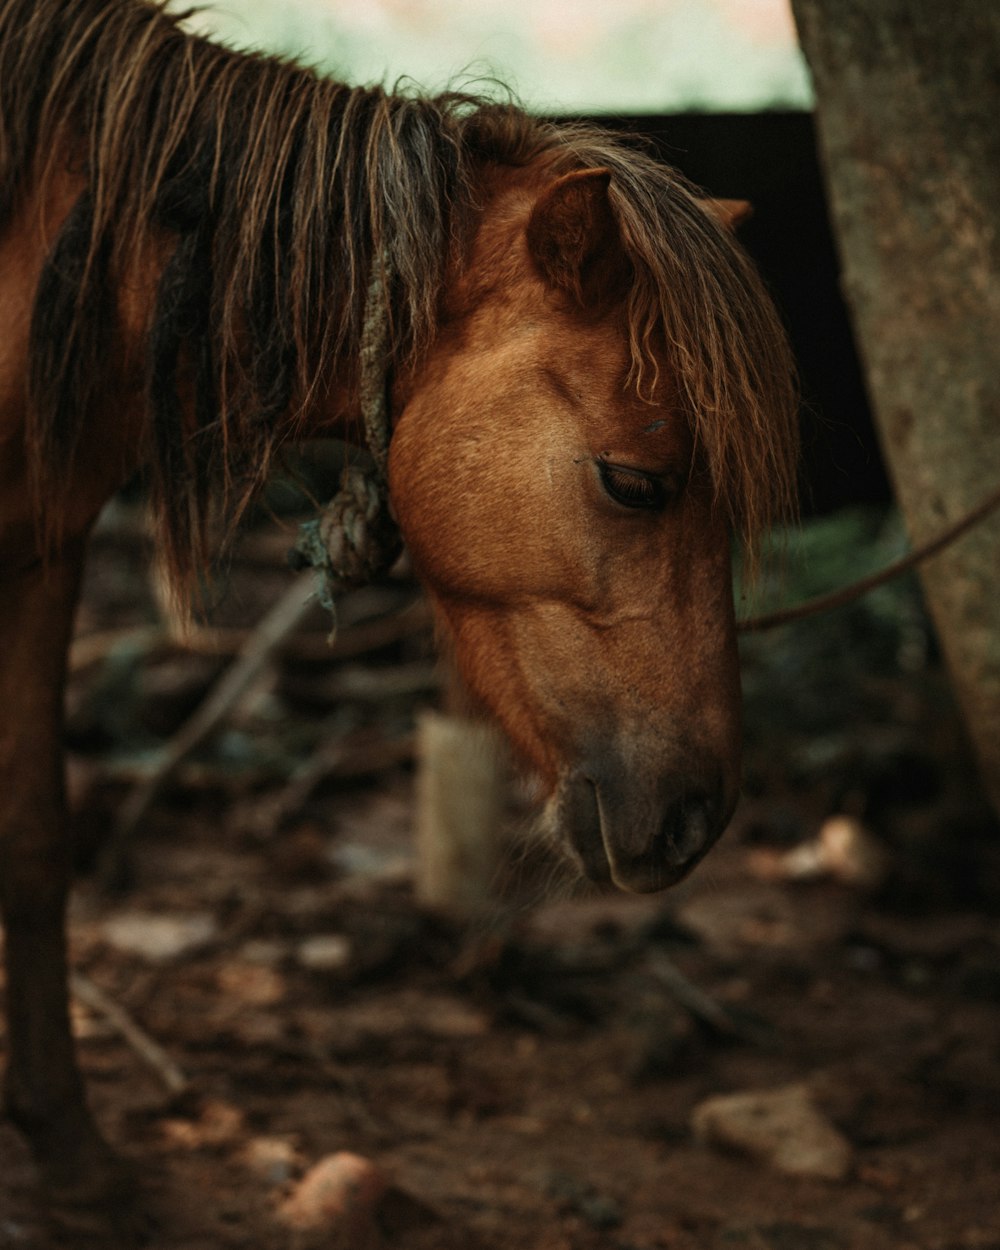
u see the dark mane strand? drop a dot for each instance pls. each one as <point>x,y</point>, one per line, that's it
<point>266,194</point>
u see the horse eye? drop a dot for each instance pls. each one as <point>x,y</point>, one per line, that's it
<point>632,488</point>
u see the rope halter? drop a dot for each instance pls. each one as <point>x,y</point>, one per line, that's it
<point>354,539</point>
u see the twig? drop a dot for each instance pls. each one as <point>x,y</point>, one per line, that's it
<point>351,641</point>
<point>150,1052</point>
<point>90,649</point>
<point>271,816</point>
<point>703,1006</point>
<point>340,758</point>
<point>314,645</point>
<point>369,685</point>
<point>224,696</point>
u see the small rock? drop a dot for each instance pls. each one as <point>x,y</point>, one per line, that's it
<point>780,1127</point>
<point>326,952</point>
<point>341,1192</point>
<point>844,849</point>
<point>851,853</point>
<point>272,1159</point>
<point>160,937</point>
<point>215,1123</point>
<point>802,863</point>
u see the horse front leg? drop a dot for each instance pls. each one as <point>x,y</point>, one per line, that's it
<point>85,1186</point>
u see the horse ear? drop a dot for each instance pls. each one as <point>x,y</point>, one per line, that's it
<point>573,237</point>
<point>732,213</point>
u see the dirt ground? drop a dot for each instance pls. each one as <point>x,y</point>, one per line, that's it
<point>526,1082</point>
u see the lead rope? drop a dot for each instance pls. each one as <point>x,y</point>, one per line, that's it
<point>847,594</point>
<point>355,539</point>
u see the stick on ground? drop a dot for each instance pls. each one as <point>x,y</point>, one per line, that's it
<point>260,647</point>
<point>150,1052</point>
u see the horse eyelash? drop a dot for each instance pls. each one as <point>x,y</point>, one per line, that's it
<point>632,488</point>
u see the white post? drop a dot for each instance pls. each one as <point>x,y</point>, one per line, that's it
<point>460,792</point>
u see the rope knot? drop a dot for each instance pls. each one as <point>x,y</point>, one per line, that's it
<point>353,540</point>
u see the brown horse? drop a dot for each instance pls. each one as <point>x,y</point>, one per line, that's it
<point>588,391</point>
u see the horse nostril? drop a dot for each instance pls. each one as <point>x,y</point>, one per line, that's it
<point>687,831</point>
<point>649,844</point>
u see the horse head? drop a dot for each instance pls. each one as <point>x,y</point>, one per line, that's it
<point>564,515</point>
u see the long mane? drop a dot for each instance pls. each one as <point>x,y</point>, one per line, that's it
<point>272,191</point>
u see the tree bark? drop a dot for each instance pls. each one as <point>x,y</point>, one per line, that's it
<point>908,96</point>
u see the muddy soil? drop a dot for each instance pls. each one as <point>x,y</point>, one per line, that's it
<point>527,1081</point>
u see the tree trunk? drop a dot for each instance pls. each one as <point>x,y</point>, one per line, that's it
<point>908,94</point>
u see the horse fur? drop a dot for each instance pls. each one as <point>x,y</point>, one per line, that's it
<point>269,191</point>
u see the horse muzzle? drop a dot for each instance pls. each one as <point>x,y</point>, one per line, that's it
<point>640,841</point>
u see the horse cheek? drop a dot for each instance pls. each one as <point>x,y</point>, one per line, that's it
<point>429,504</point>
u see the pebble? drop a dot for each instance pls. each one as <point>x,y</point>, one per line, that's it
<point>780,1127</point>
<point>160,938</point>
<point>326,952</point>
<point>272,1159</point>
<point>340,1193</point>
<point>216,1123</point>
<point>851,852</point>
<point>843,850</point>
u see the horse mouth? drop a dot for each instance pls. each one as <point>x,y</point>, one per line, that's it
<point>577,820</point>
<point>605,839</point>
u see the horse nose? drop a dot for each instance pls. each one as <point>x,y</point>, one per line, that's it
<point>644,863</point>
<point>689,829</point>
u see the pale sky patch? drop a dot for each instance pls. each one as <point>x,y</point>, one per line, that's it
<point>622,56</point>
